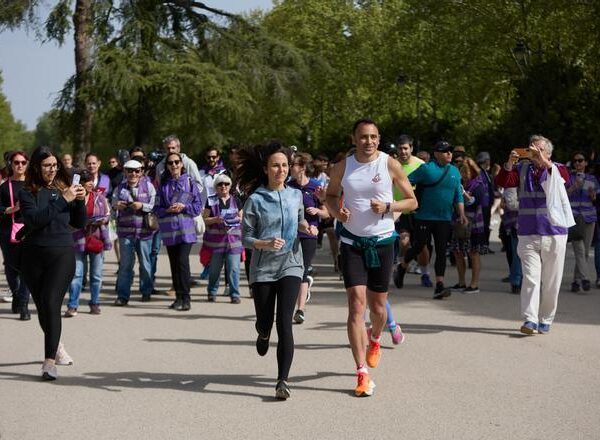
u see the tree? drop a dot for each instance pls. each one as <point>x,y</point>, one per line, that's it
<point>13,133</point>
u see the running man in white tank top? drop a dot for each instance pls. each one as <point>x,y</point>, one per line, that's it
<point>367,179</point>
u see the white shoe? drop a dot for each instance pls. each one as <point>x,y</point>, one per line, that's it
<point>7,296</point>
<point>311,280</point>
<point>413,267</point>
<point>62,357</point>
<point>49,371</point>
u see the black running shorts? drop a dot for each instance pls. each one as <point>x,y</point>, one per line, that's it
<point>355,271</point>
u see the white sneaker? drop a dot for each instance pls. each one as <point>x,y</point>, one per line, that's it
<point>62,357</point>
<point>49,371</point>
<point>311,280</point>
<point>413,267</point>
<point>7,296</point>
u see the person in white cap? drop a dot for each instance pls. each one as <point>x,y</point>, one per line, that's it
<point>134,199</point>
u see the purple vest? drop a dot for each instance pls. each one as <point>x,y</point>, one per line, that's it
<point>474,212</point>
<point>533,215</point>
<point>100,232</point>
<point>581,203</point>
<point>221,238</point>
<point>178,228</point>
<point>130,223</point>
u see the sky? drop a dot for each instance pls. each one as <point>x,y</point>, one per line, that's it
<point>33,72</point>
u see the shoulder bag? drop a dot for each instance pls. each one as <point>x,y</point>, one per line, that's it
<point>16,227</point>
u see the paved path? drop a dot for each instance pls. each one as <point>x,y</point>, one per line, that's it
<point>146,372</point>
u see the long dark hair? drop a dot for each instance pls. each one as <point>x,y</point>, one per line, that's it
<point>166,174</point>
<point>11,156</point>
<point>33,177</point>
<point>253,160</point>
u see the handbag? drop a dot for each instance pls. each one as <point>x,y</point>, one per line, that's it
<point>577,231</point>
<point>93,244</point>
<point>460,231</point>
<point>199,225</point>
<point>150,221</point>
<point>16,227</point>
<point>557,200</point>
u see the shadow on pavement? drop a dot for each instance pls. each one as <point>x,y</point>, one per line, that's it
<point>250,343</point>
<point>116,382</point>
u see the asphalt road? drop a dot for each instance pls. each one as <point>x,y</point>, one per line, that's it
<point>465,372</point>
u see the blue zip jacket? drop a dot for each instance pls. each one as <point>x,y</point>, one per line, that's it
<point>273,214</point>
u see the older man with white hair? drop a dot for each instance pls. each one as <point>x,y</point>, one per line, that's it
<point>542,245</point>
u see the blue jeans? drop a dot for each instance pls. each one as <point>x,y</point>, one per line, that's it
<point>96,263</point>
<point>154,254</point>
<point>597,258</point>
<point>516,272</point>
<point>129,248</point>
<point>232,273</point>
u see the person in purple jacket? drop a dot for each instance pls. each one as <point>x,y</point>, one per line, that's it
<point>542,246</point>
<point>313,211</point>
<point>582,190</point>
<point>178,202</point>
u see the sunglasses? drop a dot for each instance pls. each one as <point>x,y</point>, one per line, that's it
<point>211,157</point>
<point>578,160</point>
<point>223,184</point>
<point>19,162</point>
<point>173,162</point>
<point>135,170</point>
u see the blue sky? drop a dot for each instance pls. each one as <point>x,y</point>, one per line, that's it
<point>34,72</point>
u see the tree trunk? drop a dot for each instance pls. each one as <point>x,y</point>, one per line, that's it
<point>83,113</point>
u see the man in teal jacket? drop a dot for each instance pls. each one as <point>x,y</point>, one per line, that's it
<point>439,190</point>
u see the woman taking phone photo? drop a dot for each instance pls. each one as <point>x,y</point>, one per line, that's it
<point>273,216</point>
<point>51,207</point>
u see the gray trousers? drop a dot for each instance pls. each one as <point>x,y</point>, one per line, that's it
<point>581,248</point>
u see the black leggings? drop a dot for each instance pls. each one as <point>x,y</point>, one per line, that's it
<point>179,260</point>
<point>441,232</point>
<point>285,290</point>
<point>309,249</point>
<point>48,272</point>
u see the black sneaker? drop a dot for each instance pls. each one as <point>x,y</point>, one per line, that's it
<point>282,390</point>
<point>120,302</point>
<point>440,291</point>
<point>177,304</point>
<point>299,316</point>
<point>399,273</point>
<point>575,287</point>
<point>471,290</point>
<point>586,285</point>
<point>262,342</point>
<point>515,289</point>
<point>212,298</point>
<point>458,288</point>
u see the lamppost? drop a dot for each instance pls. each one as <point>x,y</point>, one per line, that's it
<point>522,53</point>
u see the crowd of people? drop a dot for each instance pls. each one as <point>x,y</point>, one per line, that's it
<point>385,211</point>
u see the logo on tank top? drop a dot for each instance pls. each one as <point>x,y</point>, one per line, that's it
<point>376,179</point>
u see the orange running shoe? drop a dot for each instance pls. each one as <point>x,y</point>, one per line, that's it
<point>373,354</point>
<point>365,385</point>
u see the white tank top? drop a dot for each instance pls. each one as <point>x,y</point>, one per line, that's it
<point>361,183</point>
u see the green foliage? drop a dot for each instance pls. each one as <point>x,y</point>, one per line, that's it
<point>14,13</point>
<point>13,133</point>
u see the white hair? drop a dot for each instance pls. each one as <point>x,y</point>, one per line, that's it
<point>538,137</point>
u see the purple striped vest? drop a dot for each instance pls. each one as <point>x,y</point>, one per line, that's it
<point>533,215</point>
<point>221,238</point>
<point>581,203</point>
<point>130,223</point>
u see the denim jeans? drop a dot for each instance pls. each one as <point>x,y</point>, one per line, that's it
<point>96,263</point>
<point>516,272</point>
<point>154,254</point>
<point>129,248</point>
<point>232,272</point>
